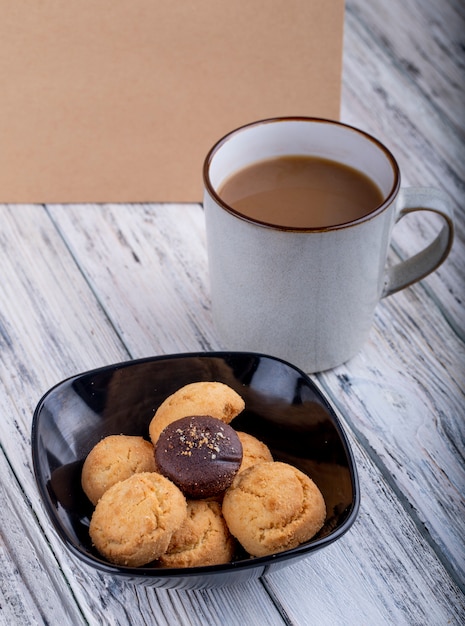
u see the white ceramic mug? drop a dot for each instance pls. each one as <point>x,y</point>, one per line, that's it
<point>308,295</point>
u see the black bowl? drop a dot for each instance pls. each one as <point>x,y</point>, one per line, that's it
<point>283,408</point>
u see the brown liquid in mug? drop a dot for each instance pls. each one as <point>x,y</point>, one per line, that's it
<point>301,192</point>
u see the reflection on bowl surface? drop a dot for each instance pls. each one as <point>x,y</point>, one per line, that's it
<point>283,408</point>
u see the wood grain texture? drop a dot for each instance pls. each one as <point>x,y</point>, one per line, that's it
<point>53,326</point>
<point>33,588</point>
<point>125,310</point>
<point>156,291</point>
<point>379,573</point>
<point>415,75</point>
<point>84,286</point>
<point>388,398</point>
<point>384,97</point>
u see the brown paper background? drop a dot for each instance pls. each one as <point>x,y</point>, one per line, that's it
<point>119,100</point>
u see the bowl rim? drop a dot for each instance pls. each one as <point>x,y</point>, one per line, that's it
<point>304,549</point>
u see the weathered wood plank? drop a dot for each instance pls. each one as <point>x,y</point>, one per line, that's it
<point>149,269</point>
<point>371,364</point>
<point>402,98</point>
<point>142,289</point>
<point>408,411</point>
<point>118,595</point>
<point>381,97</point>
<point>28,593</point>
<point>382,565</point>
<point>52,326</point>
<point>424,40</point>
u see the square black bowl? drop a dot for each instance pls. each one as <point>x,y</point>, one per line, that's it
<point>284,409</point>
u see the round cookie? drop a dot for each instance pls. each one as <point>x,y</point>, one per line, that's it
<point>135,519</point>
<point>253,451</point>
<point>272,507</point>
<point>203,539</point>
<point>201,398</point>
<point>200,454</point>
<point>113,459</point>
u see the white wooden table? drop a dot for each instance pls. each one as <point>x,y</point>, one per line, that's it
<point>86,286</point>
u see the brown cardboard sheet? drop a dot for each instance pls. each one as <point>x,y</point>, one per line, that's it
<point>119,100</point>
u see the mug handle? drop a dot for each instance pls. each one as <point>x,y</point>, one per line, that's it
<point>415,268</point>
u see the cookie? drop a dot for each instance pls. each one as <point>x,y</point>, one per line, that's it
<point>113,459</point>
<point>135,519</point>
<point>200,454</point>
<point>253,451</point>
<point>203,539</point>
<point>273,506</point>
<point>201,398</point>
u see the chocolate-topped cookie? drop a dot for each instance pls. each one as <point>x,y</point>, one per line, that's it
<point>200,454</point>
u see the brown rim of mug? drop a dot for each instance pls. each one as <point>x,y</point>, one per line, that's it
<point>379,209</point>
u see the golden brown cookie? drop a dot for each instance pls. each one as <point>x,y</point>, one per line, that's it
<point>113,459</point>
<point>253,451</point>
<point>201,398</point>
<point>203,539</point>
<point>135,519</point>
<point>272,507</point>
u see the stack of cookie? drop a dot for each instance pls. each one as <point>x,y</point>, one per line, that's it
<point>185,498</point>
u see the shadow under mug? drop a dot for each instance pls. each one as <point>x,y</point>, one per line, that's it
<point>308,295</point>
